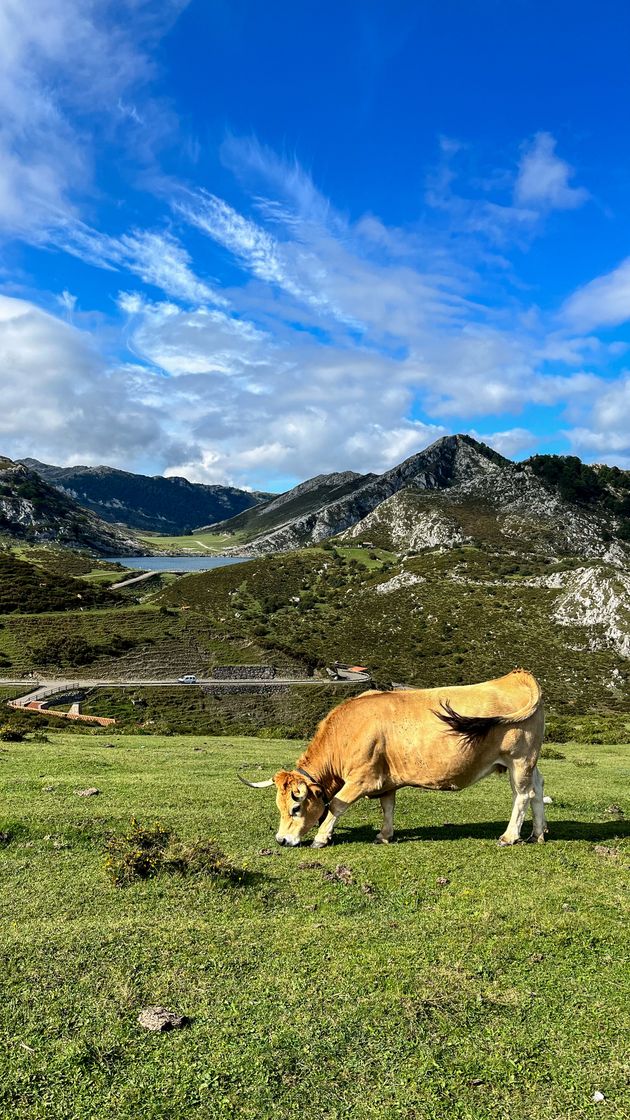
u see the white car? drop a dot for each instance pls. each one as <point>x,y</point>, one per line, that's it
<point>190,678</point>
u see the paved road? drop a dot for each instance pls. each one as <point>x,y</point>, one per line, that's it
<point>137,579</point>
<point>48,688</point>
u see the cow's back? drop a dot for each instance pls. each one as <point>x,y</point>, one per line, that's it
<point>401,737</point>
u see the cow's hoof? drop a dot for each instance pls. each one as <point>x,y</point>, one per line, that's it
<point>382,840</point>
<point>503,843</point>
<point>533,839</point>
<point>321,843</point>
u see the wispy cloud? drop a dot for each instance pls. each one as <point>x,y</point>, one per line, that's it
<point>507,206</point>
<point>157,258</point>
<point>543,180</point>
<point>68,72</point>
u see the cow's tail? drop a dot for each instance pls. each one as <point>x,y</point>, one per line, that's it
<point>474,728</point>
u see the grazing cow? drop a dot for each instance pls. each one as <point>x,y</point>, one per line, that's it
<point>433,738</point>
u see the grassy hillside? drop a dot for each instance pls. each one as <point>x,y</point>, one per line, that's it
<point>441,617</point>
<point>449,978</point>
<point>291,711</point>
<point>133,642</point>
<point>29,588</point>
<point>435,618</point>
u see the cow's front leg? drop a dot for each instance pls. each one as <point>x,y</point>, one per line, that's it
<point>388,801</point>
<point>339,805</point>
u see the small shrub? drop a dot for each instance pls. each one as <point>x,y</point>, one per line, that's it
<point>202,857</point>
<point>141,853</point>
<point>280,733</point>
<point>136,854</point>
<point>558,732</point>
<point>11,735</point>
<point>551,752</point>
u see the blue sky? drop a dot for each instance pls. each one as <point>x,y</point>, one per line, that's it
<point>251,242</point>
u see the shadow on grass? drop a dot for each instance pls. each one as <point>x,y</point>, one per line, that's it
<point>491,830</point>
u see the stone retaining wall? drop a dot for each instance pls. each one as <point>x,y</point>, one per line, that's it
<point>252,689</point>
<point>243,672</point>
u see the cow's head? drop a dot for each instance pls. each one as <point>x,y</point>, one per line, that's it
<point>300,803</point>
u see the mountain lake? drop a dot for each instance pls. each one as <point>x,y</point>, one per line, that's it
<point>175,563</point>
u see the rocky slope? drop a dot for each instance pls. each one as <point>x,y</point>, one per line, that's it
<point>34,512</point>
<point>298,507</point>
<point>502,505</point>
<point>154,504</point>
<point>455,491</point>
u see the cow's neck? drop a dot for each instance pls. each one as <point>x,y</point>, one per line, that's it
<point>322,767</point>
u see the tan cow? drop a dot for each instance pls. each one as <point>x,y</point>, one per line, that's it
<point>433,738</point>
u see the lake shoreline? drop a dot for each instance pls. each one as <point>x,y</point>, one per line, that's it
<point>176,562</point>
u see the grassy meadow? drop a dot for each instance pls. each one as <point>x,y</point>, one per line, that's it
<point>448,978</point>
<point>198,543</point>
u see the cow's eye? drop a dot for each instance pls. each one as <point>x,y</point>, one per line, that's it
<point>295,812</point>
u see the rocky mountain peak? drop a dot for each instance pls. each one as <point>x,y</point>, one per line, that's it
<point>446,462</point>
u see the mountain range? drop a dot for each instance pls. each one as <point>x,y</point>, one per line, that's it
<point>34,512</point>
<point>456,491</point>
<point>142,502</point>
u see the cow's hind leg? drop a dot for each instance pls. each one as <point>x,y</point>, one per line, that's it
<point>538,809</point>
<point>388,801</point>
<point>521,779</point>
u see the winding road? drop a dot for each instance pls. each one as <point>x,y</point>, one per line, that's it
<point>44,689</point>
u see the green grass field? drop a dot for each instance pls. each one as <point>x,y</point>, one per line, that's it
<point>501,993</point>
<point>200,543</point>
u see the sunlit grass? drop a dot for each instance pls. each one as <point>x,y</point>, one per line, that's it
<point>449,978</point>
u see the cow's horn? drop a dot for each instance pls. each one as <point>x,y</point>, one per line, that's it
<point>255,785</point>
<point>301,793</point>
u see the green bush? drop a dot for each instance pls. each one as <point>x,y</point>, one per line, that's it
<point>11,735</point>
<point>141,853</point>
<point>551,752</point>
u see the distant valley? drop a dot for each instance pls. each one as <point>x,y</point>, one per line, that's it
<point>455,565</point>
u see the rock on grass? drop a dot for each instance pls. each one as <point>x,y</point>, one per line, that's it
<point>159,1019</point>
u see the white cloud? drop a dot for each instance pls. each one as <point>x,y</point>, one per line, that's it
<point>61,63</point>
<point>543,178</point>
<point>603,302</point>
<point>196,342</point>
<point>59,397</point>
<point>511,443</point>
<point>604,434</point>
